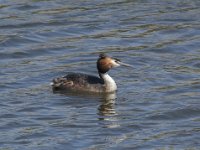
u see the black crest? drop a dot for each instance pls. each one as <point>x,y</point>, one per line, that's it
<point>102,55</point>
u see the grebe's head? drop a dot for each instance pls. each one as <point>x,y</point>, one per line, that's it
<point>105,63</point>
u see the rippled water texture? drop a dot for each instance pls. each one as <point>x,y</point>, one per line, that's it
<point>157,104</point>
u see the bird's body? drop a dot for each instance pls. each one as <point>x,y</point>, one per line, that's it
<point>88,83</point>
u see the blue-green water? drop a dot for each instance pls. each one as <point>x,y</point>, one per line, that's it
<point>157,104</point>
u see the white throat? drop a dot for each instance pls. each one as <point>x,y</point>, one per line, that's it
<point>109,83</point>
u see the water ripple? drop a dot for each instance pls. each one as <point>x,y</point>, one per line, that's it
<point>157,102</point>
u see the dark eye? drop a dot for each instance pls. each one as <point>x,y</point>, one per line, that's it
<point>117,60</point>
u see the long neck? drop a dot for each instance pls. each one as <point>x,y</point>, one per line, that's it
<point>109,83</point>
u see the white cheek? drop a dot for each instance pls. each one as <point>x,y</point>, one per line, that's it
<point>114,64</point>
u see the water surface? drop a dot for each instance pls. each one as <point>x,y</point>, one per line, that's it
<point>157,103</point>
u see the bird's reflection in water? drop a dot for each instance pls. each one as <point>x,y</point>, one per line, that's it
<point>107,112</point>
<point>107,107</point>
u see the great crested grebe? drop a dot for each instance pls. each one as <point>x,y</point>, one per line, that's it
<point>83,82</point>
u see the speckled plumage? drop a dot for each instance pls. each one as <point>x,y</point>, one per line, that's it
<point>79,82</point>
